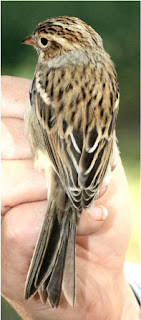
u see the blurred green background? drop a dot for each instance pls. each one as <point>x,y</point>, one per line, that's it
<point>118,25</point>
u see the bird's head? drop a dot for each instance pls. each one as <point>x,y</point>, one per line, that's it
<point>56,36</point>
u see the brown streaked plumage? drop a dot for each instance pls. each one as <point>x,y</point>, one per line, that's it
<point>70,121</point>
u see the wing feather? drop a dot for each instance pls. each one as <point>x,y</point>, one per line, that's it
<point>78,143</point>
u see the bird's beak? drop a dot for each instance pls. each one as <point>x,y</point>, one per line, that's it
<point>30,41</point>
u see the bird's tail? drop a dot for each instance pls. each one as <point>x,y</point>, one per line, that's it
<point>53,263</point>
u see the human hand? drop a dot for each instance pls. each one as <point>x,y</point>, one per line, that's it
<point>102,291</point>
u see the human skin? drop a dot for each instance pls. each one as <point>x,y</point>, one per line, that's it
<point>102,291</point>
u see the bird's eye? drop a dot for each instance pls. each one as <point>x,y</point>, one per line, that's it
<point>44,41</point>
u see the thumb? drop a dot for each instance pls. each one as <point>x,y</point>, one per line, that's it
<point>91,220</point>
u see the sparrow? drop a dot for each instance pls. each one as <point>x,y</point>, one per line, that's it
<point>70,121</point>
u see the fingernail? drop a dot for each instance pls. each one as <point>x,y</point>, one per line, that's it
<point>99,213</point>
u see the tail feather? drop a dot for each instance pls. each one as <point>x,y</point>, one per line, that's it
<point>51,251</point>
<point>68,284</point>
<point>40,252</point>
<point>54,252</point>
<point>55,283</point>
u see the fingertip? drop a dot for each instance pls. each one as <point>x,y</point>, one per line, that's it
<point>92,220</point>
<point>99,213</point>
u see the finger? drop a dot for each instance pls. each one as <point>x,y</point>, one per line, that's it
<point>115,156</point>
<point>104,185</point>
<point>19,233</point>
<point>91,220</point>
<point>14,143</point>
<point>21,183</point>
<point>15,95</point>
<point>101,191</point>
<point>117,201</point>
<point>20,230</point>
<point>109,203</point>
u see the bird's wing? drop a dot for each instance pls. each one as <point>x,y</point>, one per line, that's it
<point>76,108</point>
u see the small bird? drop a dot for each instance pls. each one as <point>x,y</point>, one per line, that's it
<point>70,121</point>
